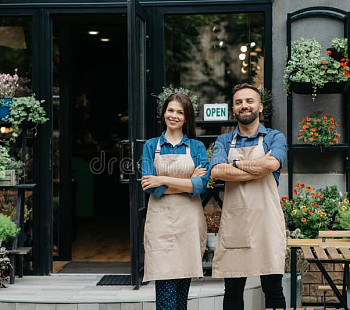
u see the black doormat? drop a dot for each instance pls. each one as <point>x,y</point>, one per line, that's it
<point>122,279</point>
<point>97,267</point>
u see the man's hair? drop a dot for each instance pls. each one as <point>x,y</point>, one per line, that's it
<point>243,86</point>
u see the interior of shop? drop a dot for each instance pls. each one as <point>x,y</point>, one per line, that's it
<point>90,119</point>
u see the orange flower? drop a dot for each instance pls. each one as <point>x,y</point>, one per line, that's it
<point>303,219</point>
<point>346,200</point>
<point>313,195</point>
<point>295,192</point>
<point>311,139</point>
<point>302,185</point>
<point>310,212</point>
<point>316,134</point>
<point>343,64</point>
<point>318,119</point>
<point>337,134</point>
<point>308,119</point>
<point>284,198</point>
<point>314,204</point>
<point>313,129</point>
<point>329,52</point>
<point>331,143</point>
<point>335,140</point>
<point>309,188</point>
<point>320,195</point>
<point>297,185</point>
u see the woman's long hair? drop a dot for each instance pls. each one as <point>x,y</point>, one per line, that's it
<point>189,126</point>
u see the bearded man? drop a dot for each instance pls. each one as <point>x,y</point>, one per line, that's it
<point>252,238</point>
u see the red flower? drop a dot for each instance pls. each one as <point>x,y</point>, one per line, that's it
<point>284,198</point>
<point>295,192</point>
<point>343,59</point>
<point>302,185</point>
<point>343,64</point>
<point>346,72</point>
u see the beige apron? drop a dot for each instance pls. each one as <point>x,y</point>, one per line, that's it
<point>175,228</point>
<point>252,238</point>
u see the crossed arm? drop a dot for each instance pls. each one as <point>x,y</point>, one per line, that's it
<point>175,185</point>
<point>246,170</point>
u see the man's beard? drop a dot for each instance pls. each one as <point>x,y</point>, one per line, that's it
<point>247,120</point>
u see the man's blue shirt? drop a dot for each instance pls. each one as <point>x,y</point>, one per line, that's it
<point>198,154</point>
<point>274,140</point>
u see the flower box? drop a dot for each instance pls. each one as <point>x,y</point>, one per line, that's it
<point>304,88</point>
<point>10,178</point>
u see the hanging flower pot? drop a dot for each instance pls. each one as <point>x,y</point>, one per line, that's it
<point>5,104</point>
<point>305,88</point>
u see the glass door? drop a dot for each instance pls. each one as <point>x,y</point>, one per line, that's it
<point>136,106</point>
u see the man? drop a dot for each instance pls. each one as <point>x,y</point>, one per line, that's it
<point>252,237</point>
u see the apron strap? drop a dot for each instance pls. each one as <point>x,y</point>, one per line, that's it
<point>158,148</point>
<point>261,139</point>
<point>188,150</point>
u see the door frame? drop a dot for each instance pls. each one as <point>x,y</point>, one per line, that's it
<point>41,14</point>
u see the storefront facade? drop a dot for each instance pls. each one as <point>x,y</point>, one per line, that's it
<point>193,44</point>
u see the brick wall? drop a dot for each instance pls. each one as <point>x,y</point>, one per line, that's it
<point>313,278</point>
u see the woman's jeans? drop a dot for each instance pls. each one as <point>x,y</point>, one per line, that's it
<point>172,294</point>
<point>271,286</point>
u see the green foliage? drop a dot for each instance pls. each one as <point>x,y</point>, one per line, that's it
<point>266,100</point>
<point>8,228</point>
<point>307,65</point>
<point>168,91</point>
<point>9,163</point>
<point>26,109</point>
<point>344,219</point>
<point>341,46</point>
<point>311,210</point>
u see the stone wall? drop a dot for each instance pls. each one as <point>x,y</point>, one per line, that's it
<point>313,279</point>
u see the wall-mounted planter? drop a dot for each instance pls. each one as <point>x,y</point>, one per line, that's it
<point>5,104</point>
<point>329,88</point>
<point>10,178</point>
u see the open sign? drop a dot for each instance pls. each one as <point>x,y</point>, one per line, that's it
<point>216,112</point>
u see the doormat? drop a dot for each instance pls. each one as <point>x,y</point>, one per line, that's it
<point>97,267</point>
<point>122,279</point>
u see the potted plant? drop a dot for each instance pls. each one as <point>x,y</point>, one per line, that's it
<point>339,49</point>
<point>5,266</point>
<point>312,211</point>
<point>10,169</point>
<point>167,91</point>
<point>319,129</point>
<point>307,72</point>
<point>8,86</point>
<point>26,109</point>
<point>213,217</point>
<point>8,229</point>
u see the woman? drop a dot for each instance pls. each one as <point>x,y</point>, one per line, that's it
<point>175,229</point>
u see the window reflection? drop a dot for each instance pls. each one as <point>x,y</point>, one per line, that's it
<point>211,53</point>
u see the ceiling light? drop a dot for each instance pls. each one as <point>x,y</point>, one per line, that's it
<point>241,56</point>
<point>221,44</point>
<point>252,44</point>
<point>244,71</point>
<point>244,64</point>
<point>93,32</point>
<point>105,39</point>
<point>244,49</point>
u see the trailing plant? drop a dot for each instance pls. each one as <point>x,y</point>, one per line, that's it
<point>319,129</point>
<point>8,228</point>
<point>9,163</point>
<point>26,109</point>
<point>211,181</point>
<point>341,46</point>
<point>5,266</point>
<point>168,91</point>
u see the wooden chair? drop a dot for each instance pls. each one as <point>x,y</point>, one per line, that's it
<point>332,238</point>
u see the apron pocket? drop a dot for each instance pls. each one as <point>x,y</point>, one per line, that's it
<point>159,232</point>
<point>236,229</point>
